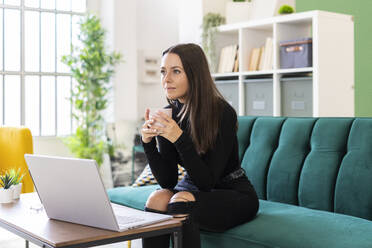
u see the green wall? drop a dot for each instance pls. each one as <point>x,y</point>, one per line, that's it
<point>362,12</point>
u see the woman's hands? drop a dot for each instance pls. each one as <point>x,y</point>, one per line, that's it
<point>147,132</point>
<point>170,130</point>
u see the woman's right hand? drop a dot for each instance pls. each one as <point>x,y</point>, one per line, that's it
<point>147,131</point>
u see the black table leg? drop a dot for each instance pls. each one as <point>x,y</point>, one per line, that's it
<point>177,239</point>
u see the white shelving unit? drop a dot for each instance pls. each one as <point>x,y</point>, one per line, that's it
<point>333,58</point>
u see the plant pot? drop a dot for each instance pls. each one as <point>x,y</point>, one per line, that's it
<point>17,190</point>
<point>6,195</point>
<point>237,12</point>
<point>268,8</point>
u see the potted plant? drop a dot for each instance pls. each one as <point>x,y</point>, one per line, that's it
<point>269,8</point>
<point>6,191</point>
<point>92,67</point>
<point>17,182</point>
<point>209,29</point>
<point>285,9</point>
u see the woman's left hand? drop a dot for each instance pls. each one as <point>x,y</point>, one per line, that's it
<point>171,131</point>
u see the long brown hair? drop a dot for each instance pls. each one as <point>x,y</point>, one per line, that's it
<point>203,104</point>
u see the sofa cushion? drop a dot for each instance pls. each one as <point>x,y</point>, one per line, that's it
<point>263,142</point>
<point>134,197</point>
<point>289,226</point>
<point>286,163</point>
<point>244,131</point>
<point>353,194</point>
<point>276,225</point>
<point>146,177</point>
<point>320,170</point>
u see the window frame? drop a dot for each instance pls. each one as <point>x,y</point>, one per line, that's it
<point>22,73</point>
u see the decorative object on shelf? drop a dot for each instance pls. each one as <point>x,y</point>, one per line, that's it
<point>238,11</point>
<point>285,9</point>
<point>17,182</point>
<point>6,190</point>
<point>268,8</point>
<point>296,53</point>
<point>210,23</point>
<point>149,65</point>
<point>92,67</point>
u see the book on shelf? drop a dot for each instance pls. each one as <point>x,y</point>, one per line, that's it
<point>268,60</point>
<point>220,66</point>
<point>228,59</point>
<point>236,64</point>
<point>261,58</point>
<point>254,59</point>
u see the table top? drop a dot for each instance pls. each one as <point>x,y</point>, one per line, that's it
<point>22,216</point>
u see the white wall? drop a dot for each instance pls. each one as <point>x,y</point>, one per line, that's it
<point>157,25</point>
<point>132,26</point>
<point>50,146</point>
<point>125,86</point>
<point>191,14</point>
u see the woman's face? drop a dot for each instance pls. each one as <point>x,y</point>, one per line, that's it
<point>173,77</point>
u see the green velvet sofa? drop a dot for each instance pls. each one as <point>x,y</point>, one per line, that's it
<point>314,180</point>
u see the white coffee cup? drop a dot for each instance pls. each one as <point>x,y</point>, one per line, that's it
<point>167,111</point>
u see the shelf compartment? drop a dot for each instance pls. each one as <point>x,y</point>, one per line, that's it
<point>229,88</point>
<point>224,39</point>
<point>253,37</point>
<point>296,96</point>
<point>296,30</point>
<point>258,96</point>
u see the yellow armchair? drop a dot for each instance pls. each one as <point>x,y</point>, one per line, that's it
<point>14,143</point>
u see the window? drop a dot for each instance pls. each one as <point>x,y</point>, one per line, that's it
<point>35,85</point>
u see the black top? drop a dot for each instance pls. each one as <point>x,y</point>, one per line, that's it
<point>204,172</point>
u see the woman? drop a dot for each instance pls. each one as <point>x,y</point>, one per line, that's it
<point>215,194</point>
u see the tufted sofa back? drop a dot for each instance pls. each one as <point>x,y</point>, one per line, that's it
<point>319,163</point>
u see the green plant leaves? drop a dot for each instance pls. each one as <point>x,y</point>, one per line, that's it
<point>92,67</point>
<point>17,176</point>
<point>6,180</point>
<point>285,9</point>
<point>209,26</point>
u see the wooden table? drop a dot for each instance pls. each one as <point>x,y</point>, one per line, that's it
<point>21,218</point>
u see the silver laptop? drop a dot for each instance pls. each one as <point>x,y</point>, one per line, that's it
<point>72,190</point>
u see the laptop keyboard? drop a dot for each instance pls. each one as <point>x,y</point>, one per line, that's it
<point>123,220</point>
